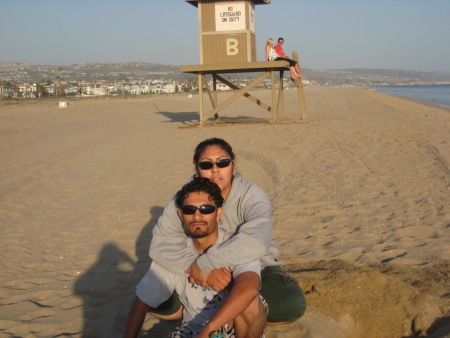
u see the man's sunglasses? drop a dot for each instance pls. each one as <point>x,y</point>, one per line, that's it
<point>220,164</point>
<point>204,209</point>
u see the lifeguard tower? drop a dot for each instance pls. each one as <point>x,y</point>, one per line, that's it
<point>227,35</point>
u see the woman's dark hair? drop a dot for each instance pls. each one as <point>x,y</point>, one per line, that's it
<point>212,142</point>
<point>199,184</point>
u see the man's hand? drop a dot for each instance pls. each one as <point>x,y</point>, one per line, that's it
<point>204,334</point>
<point>207,331</point>
<point>197,276</point>
<point>218,279</point>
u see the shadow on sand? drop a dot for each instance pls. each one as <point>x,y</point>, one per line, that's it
<point>108,287</point>
<point>185,117</point>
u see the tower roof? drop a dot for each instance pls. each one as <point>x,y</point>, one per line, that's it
<point>256,2</point>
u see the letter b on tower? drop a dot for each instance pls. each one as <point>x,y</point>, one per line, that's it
<point>232,45</point>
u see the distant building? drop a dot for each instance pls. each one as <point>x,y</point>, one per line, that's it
<point>135,89</point>
<point>163,89</point>
<point>26,90</point>
<point>98,90</point>
<point>144,88</point>
<point>70,90</point>
<point>111,88</point>
<point>50,89</point>
<point>222,87</point>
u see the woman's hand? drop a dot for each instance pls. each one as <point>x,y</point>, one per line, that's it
<point>197,276</point>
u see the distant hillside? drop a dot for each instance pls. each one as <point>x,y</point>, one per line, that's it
<point>376,77</point>
<point>420,76</point>
<point>141,71</point>
<point>132,71</point>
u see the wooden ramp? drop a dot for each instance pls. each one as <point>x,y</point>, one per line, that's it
<point>268,69</point>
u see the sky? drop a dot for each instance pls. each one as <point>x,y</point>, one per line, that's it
<point>327,34</point>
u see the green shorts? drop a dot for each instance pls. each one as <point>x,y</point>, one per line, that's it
<point>169,307</point>
<point>281,292</point>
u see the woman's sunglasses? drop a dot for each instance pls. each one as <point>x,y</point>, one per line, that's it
<point>220,164</point>
<point>204,209</point>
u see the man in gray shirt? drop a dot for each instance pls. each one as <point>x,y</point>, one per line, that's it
<point>237,311</point>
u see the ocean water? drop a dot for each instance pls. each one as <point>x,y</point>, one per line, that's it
<point>439,95</point>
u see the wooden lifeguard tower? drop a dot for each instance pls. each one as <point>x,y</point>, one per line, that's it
<point>227,35</point>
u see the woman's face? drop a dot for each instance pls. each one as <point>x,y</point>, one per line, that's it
<point>221,176</point>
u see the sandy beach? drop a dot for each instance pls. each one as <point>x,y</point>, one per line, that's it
<point>360,196</point>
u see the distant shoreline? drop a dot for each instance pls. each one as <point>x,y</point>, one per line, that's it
<point>415,85</point>
<point>435,95</point>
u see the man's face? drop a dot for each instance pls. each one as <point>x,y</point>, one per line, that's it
<point>199,225</point>
<point>280,42</point>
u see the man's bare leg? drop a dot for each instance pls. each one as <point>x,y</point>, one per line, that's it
<point>137,314</point>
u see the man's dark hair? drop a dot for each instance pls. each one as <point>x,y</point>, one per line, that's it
<point>199,184</point>
<point>212,142</point>
<point>280,39</point>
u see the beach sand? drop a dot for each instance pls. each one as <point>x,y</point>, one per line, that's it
<point>360,195</point>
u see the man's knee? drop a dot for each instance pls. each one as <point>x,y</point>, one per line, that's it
<point>287,310</point>
<point>251,322</point>
<point>256,309</point>
<point>283,294</point>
